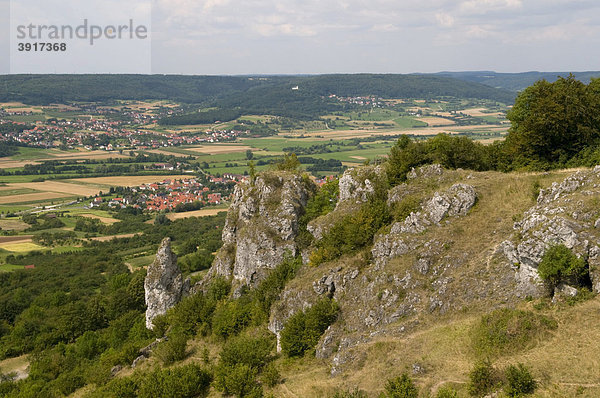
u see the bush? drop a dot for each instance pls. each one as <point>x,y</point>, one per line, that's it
<point>187,381</point>
<point>303,330</point>
<point>507,330</point>
<point>252,351</point>
<point>270,375</point>
<point>483,379</point>
<point>519,381</point>
<point>172,350</point>
<point>401,387</point>
<point>230,318</point>
<point>353,232</point>
<point>446,392</point>
<point>560,264</point>
<point>238,380</point>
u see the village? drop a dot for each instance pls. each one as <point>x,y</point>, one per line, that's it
<point>171,195</point>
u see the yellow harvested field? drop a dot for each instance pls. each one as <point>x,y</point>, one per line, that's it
<point>20,247</point>
<point>107,238</point>
<point>436,121</point>
<point>478,112</point>
<point>128,181</point>
<point>88,155</point>
<point>360,133</point>
<point>31,197</point>
<point>358,157</point>
<point>8,163</point>
<point>12,225</point>
<point>59,187</point>
<point>217,149</point>
<point>196,213</point>
<point>105,220</point>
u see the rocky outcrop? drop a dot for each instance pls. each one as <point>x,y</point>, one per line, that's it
<point>355,188</point>
<point>562,215</point>
<point>261,226</point>
<point>357,184</point>
<point>164,285</point>
<point>456,201</point>
<point>428,171</point>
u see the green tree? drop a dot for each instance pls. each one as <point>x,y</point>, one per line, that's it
<point>560,264</point>
<point>519,381</point>
<point>289,162</point>
<point>401,387</point>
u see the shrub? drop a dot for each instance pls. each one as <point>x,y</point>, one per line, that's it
<point>507,330</point>
<point>269,289</point>
<point>303,330</point>
<point>401,387</point>
<point>560,264</point>
<point>231,317</point>
<point>183,382</point>
<point>483,379</point>
<point>270,375</point>
<point>353,232</point>
<point>519,381</point>
<point>446,392</point>
<point>238,380</point>
<point>173,349</point>
<point>252,351</point>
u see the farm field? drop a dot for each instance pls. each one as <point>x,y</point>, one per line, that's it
<point>197,213</point>
<point>127,181</point>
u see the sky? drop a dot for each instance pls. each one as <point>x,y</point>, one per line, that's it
<point>352,36</point>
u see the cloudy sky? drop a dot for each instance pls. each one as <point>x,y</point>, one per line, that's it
<point>391,36</point>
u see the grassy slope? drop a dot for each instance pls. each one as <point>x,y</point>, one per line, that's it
<point>441,344</point>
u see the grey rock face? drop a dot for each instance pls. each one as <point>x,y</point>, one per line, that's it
<point>556,219</point>
<point>164,285</point>
<point>456,201</point>
<point>261,227</point>
<point>428,171</point>
<point>357,184</point>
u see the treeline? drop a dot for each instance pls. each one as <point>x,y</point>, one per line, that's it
<point>48,89</point>
<point>204,117</point>
<point>554,125</point>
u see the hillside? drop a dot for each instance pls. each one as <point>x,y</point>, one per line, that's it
<point>272,93</point>
<point>516,81</point>
<point>458,245</point>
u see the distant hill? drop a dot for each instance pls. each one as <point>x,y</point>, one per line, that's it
<point>254,93</point>
<point>515,81</point>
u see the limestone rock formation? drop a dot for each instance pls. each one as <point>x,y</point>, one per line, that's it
<point>456,201</point>
<point>164,285</point>
<point>357,184</point>
<point>261,226</point>
<point>562,215</point>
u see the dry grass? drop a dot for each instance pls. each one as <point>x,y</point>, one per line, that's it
<point>19,365</point>
<point>111,237</point>
<point>11,224</point>
<point>31,197</point>
<point>436,121</point>
<point>105,220</point>
<point>196,213</point>
<point>8,163</point>
<point>219,149</point>
<point>479,112</point>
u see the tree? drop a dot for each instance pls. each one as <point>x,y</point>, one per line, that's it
<point>552,122</point>
<point>249,155</point>
<point>560,264</point>
<point>289,162</point>
<point>401,387</point>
